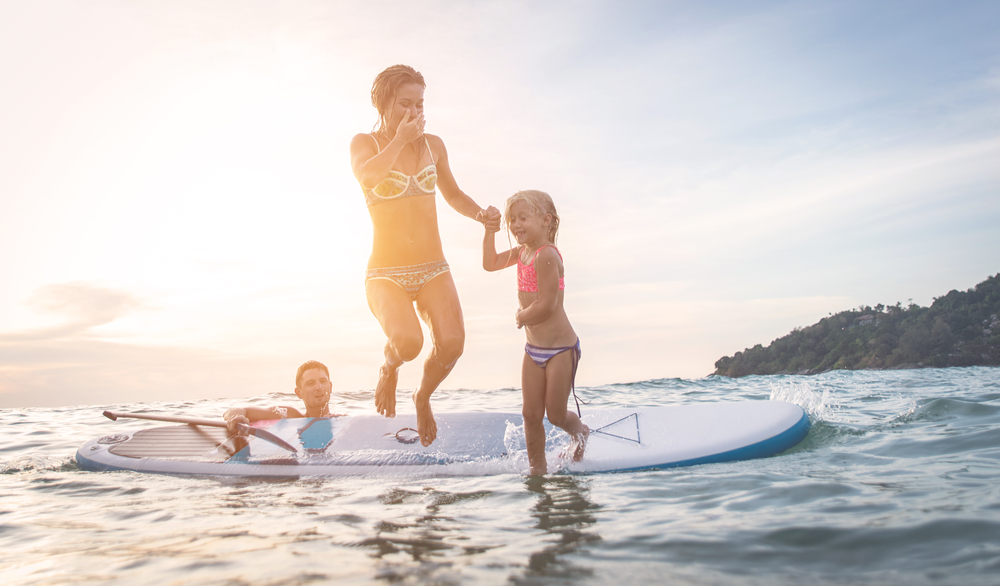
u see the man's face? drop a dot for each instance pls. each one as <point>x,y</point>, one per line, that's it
<point>314,388</point>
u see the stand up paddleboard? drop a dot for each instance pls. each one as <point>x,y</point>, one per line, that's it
<point>467,443</point>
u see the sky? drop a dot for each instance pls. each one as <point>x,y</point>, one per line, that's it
<point>178,217</point>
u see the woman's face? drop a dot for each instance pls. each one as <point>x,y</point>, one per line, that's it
<point>409,98</point>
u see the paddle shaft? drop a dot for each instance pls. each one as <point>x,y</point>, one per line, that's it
<point>244,428</point>
<point>192,420</point>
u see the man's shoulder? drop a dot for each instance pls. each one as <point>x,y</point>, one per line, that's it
<point>292,412</point>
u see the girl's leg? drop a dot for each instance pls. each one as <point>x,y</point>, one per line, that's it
<point>533,411</point>
<point>393,309</point>
<point>438,305</point>
<point>558,386</point>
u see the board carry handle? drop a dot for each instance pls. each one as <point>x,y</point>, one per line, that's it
<point>242,427</point>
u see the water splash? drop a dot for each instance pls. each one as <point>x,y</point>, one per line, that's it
<point>815,403</point>
<point>514,443</point>
<point>34,463</point>
<point>557,444</point>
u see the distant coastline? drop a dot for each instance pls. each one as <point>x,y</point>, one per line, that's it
<point>959,329</point>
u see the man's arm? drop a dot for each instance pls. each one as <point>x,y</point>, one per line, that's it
<point>248,415</point>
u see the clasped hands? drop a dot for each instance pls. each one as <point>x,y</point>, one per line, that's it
<point>490,218</point>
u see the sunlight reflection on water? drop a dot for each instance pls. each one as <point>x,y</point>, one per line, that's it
<point>896,483</point>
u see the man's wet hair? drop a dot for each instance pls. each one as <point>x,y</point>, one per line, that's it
<point>307,366</point>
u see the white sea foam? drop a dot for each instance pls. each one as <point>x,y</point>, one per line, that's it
<point>815,402</point>
<point>31,462</point>
<point>556,448</point>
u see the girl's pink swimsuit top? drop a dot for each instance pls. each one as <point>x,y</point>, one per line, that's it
<point>527,278</point>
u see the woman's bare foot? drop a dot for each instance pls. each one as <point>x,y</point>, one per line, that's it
<point>426,426</point>
<point>580,444</point>
<point>385,390</point>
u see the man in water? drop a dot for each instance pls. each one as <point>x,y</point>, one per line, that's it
<point>312,385</point>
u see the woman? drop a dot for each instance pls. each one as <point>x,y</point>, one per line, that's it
<point>399,168</point>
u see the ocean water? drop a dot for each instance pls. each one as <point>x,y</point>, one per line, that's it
<point>898,482</point>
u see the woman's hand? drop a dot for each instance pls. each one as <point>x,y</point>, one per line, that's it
<point>490,218</point>
<point>410,130</point>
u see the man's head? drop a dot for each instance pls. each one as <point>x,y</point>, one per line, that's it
<point>309,366</point>
<point>312,384</point>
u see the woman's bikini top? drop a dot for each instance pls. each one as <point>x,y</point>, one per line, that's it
<point>527,278</point>
<point>397,185</point>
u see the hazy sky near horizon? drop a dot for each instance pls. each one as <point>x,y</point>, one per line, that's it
<point>178,218</point>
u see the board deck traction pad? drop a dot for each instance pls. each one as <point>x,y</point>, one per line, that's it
<point>467,444</point>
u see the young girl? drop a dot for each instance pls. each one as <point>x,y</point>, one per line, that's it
<point>553,349</point>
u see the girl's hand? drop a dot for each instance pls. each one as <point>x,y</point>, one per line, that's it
<point>410,130</point>
<point>517,318</point>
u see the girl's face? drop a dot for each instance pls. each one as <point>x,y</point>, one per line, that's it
<point>527,225</point>
<point>409,98</point>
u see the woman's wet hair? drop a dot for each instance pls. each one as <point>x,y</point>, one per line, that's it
<point>384,90</point>
<point>540,203</point>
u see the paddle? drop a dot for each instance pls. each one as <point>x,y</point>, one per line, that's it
<point>243,427</point>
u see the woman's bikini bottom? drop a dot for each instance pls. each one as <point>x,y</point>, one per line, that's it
<point>411,278</point>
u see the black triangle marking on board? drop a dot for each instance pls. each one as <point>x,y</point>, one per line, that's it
<point>633,417</point>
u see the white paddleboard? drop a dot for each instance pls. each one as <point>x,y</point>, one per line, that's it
<point>467,443</point>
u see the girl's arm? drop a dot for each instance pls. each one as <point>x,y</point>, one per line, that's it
<point>455,197</point>
<point>493,261</point>
<point>547,270</point>
<point>371,166</point>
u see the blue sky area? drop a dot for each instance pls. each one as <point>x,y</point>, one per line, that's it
<point>179,220</point>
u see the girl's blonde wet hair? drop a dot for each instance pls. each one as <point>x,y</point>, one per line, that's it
<point>540,203</point>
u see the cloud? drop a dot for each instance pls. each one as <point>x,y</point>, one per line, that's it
<point>84,305</point>
<point>75,362</point>
<point>51,373</point>
<point>70,363</point>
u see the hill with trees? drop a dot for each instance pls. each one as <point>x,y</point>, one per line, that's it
<point>958,329</point>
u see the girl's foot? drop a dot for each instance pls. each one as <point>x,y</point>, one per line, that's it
<point>385,390</point>
<point>426,426</point>
<point>580,444</point>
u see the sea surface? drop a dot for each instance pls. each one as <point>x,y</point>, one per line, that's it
<point>898,482</point>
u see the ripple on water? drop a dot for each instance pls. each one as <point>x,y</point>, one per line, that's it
<point>895,483</point>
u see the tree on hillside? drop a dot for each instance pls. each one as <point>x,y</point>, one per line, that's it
<point>958,329</point>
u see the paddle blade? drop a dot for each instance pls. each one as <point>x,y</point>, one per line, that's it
<point>111,416</point>
<point>267,436</point>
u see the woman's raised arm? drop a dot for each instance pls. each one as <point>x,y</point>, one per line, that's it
<point>371,166</point>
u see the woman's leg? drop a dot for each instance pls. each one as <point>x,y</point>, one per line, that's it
<point>533,411</point>
<point>393,309</point>
<point>558,386</point>
<point>438,305</point>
